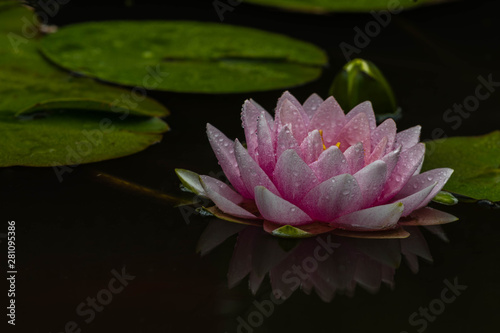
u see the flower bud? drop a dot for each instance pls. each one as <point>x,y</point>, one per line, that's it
<point>360,80</point>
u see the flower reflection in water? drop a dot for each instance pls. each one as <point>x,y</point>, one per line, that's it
<point>328,263</point>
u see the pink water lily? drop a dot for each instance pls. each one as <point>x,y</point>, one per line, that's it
<point>313,163</point>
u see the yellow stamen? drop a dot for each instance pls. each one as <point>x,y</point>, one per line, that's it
<point>323,141</point>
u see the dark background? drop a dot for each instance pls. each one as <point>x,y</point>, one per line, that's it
<point>70,235</point>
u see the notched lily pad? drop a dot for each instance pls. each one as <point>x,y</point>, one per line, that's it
<point>44,111</point>
<point>476,161</point>
<point>218,58</point>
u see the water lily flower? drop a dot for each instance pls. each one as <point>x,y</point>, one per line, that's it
<point>312,164</point>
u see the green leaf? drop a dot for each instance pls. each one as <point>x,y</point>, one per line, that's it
<point>44,112</point>
<point>28,83</point>
<point>325,6</point>
<point>72,138</point>
<point>476,161</point>
<point>184,56</point>
<point>359,81</point>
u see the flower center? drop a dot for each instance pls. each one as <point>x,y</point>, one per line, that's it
<point>323,141</point>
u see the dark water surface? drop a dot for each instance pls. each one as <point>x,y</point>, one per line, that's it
<point>74,237</point>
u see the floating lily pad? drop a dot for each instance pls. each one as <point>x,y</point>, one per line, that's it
<point>72,138</point>
<point>325,6</point>
<point>29,83</point>
<point>476,161</point>
<point>31,90</point>
<point>186,56</point>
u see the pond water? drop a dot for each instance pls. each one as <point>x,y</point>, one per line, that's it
<point>86,238</point>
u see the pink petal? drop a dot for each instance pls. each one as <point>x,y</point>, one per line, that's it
<point>417,172</point>
<point>249,119</point>
<point>408,163</point>
<point>293,177</point>
<point>330,163</point>
<point>391,159</point>
<point>312,104</point>
<point>289,115</point>
<point>378,151</point>
<point>421,181</point>
<point>330,118</point>
<point>371,181</point>
<point>224,197</point>
<point>374,218</point>
<point>355,131</point>
<point>224,151</point>
<point>409,137</point>
<point>334,197</point>
<point>265,146</point>
<point>278,210</point>
<point>251,173</point>
<point>286,141</point>
<point>355,156</point>
<point>387,130</point>
<point>413,201</point>
<point>312,147</point>
<point>289,97</point>
<point>365,108</point>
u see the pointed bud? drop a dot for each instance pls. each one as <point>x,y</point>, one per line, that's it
<point>360,80</point>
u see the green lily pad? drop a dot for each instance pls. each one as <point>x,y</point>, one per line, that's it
<point>218,58</point>
<point>476,161</point>
<point>28,83</point>
<point>44,112</point>
<point>325,6</point>
<point>73,138</point>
